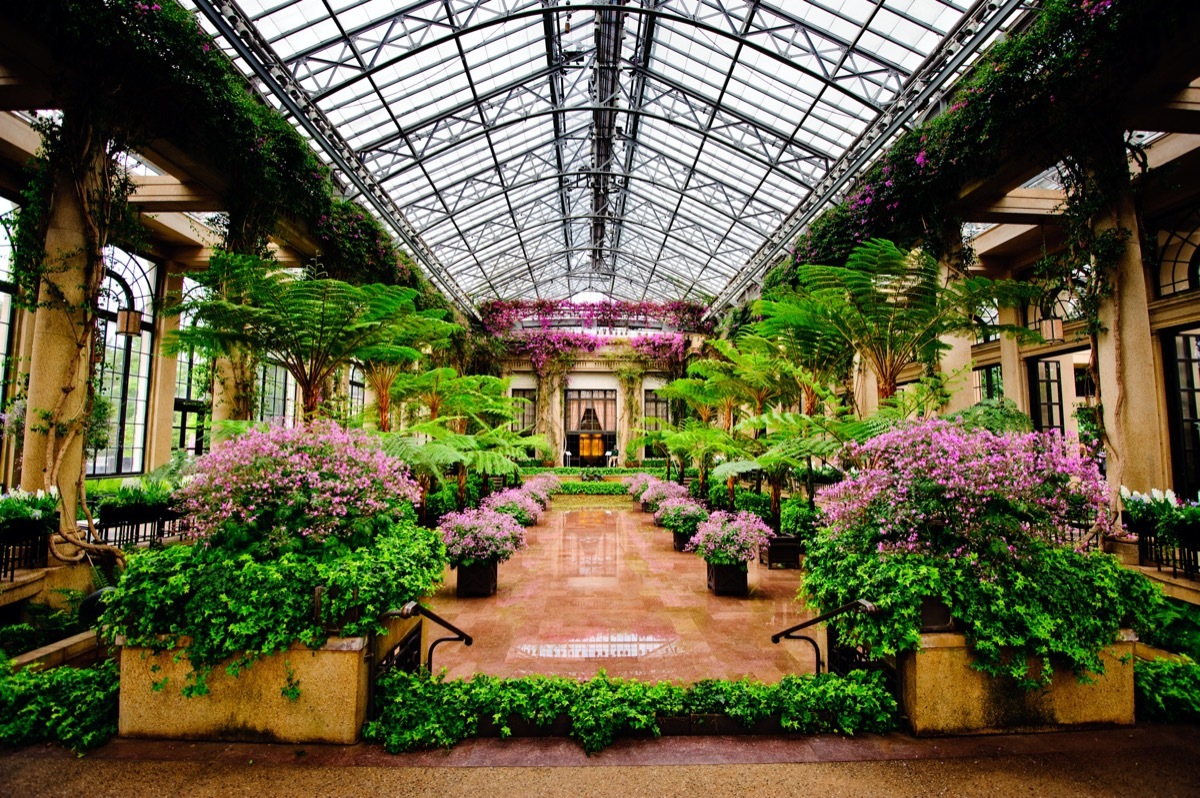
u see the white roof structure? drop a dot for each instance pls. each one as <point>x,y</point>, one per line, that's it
<point>644,150</point>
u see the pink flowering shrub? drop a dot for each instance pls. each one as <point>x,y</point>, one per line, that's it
<point>518,503</point>
<point>727,539</point>
<point>480,535</point>
<point>541,488</point>
<point>681,515</point>
<point>279,486</point>
<point>976,520</point>
<point>638,483</point>
<point>659,490</point>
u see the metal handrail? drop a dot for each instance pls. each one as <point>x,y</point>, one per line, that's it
<point>858,605</point>
<point>413,609</point>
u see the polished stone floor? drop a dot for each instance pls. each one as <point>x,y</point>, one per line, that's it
<point>604,589</point>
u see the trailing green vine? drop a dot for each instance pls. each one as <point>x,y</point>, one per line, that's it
<point>417,711</point>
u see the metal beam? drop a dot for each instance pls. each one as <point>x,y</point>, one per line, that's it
<point>245,39</point>
<point>973,30</point>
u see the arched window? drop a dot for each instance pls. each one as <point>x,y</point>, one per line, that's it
<point>193,394</point>
<point>1179,256</point>
<point>125,344</point>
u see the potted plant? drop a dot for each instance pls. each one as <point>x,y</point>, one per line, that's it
<point>658,491</point>
<point>541,488</point>
<point>727,542</point>
<point>26,522</point>
<point>477,541</point>
<point>517,502</point>
<point>637,485</point>
<point>975,519</point>
<point>301,539</point>
<point>681,517</point>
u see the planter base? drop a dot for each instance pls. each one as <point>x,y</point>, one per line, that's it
<point>781,552</point>
<point>476,581</point>
<point>942,694</point>
<point>330,708</point>
<point>680,540</point>
<point>727,580</point>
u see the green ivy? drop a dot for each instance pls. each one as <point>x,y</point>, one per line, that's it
<point>73,706</point>
<point>227,607</point>
<point>1167,690</point>
<point>418,711</point>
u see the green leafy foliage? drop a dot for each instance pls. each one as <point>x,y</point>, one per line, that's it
<point>997,415</point>
<point>417,711</point>
<point>799,519</point>
<point>40,625</point>
<point>73,706</point>
<point>1172,625</point>
<point>1167,690</point>
<point>219,604</point>
<point>591,489</point>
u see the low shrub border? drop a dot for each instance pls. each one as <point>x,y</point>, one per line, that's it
<point>591,489</point>
<point>1167,690</point>
<point>76,707</point>
<point>419,711</point>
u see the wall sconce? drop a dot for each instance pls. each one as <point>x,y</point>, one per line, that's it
<point>1051,328</point>
<point>129,323</point>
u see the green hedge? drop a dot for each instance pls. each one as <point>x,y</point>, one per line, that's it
<point>73,706</point>
<point>417,711</point>
<point>1167,690</point>
<point>591,489</point>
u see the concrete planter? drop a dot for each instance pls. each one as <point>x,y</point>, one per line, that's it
<point>942,694</point>
<point>334,683</point>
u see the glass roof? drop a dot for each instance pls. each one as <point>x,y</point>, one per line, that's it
<point>647,149</point>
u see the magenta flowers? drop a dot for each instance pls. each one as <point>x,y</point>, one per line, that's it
<point>480,536</point>
<point>727,539</point>
<point>926,481</point>
<point>315,482</point>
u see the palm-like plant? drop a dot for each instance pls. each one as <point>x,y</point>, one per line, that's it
<point>384,362</point>
<point>890,306</point>
<point>700,442</point>
<point>311,327</point>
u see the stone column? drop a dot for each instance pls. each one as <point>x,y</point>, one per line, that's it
<point>1012,367</point>
<point>160,426</point>
<point>1125,359</point>
<point>957,360</point>
<point>60,360</point>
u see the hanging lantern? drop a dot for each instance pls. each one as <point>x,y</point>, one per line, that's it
<point>129,323</point>
<point>1051,328</point>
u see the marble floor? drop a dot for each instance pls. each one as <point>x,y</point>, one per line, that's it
<point>604,589</point>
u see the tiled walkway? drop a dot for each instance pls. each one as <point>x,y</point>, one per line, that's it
<point>605,589</point>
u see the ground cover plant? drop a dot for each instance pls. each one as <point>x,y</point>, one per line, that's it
<point>417,711</point>
<point>76,707</point>
<point>277,513</point>
<point>975,519</point>
<point>1167,690</point>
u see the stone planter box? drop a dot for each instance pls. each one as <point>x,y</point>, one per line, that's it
<point>727,580</point>
<point>334,683</point>
<point>942,694</point>
<point>476,581</point>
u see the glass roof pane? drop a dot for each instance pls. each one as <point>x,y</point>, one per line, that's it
<point>690,128</point>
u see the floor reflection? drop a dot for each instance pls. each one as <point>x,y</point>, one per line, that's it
<point>605,590</point>
<point>615,645</point>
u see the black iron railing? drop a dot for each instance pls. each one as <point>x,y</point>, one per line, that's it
<point>412,609</point>
<point>24,543</point>
<point>858,605</point>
